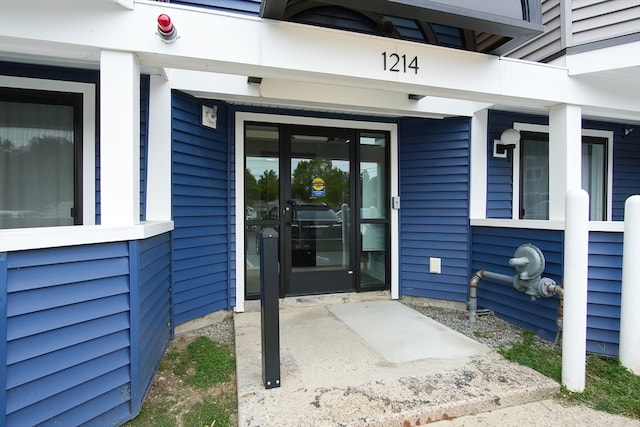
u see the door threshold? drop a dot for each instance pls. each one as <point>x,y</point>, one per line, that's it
<point>323,299</point>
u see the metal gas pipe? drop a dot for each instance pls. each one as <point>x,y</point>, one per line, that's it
<point>529,263</point>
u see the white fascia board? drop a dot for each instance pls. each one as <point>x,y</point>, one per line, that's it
<point>236,44</point>
<point>604,59</point>
<point>322,96</point>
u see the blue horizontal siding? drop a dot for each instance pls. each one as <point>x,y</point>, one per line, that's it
<point>67,339</point>
<point>152,312</point>
<point>604,291</point>
<point>86,327</point>
<point>434,189</point>
<point>201,211</point>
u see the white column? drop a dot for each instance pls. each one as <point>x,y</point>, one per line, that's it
<point>119,138</point>
<point>478,183</point>
<point>159,151</point>
<point>565,153</point>
<point>630,306</point>
<point>576,259</point>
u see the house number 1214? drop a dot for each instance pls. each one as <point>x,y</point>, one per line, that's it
<point>399,63</point>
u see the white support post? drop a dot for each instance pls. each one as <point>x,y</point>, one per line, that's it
<point>159,151</point>
<point>576,260</point>
<point>629,308</point>
<point>478,182</point>
<point>565,152</point>
<point>119,138</point>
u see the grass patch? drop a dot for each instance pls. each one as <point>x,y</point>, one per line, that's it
<point>194,387</point>
<point>609,386</point>
<point>208,413</point>
<point>202,364</point>
<point>212,363</point>
<point>527,353</point>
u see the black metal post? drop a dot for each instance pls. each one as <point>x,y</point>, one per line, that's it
<point>269,309</point>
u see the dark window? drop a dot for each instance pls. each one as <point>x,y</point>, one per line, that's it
<point>40,158</point>
<point>534,175</point>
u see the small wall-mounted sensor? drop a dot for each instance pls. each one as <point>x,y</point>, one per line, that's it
<point>395,202</point>
<point>209,116</point>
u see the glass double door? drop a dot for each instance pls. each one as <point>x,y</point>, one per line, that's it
<point>305,182</point>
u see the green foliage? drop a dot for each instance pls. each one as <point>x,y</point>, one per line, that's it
<point>156,415</point>
<point>212,362</point>
<point>208,413</point>
<point>543,360</point>
<point>609,386</point>
<point>201,365</point>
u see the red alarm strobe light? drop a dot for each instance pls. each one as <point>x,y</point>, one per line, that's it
<point>166,30</point>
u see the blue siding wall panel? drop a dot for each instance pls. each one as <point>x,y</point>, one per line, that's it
<point>84,332</point>
<point>434,189</point>
<point>67,331</point>
<point>604,291</point>
<point>154,310</point>
<point>201,211</point>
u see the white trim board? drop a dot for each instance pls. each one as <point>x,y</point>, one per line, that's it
<point>241,118</point>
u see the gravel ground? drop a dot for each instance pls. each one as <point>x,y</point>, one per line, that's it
<point>488,329</point>
<point>222,331</point>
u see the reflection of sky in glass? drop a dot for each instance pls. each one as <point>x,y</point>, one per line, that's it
<point>258,165</point>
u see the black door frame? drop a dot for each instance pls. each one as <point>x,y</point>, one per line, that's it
<point>355,132</point>
<point>315,282</point>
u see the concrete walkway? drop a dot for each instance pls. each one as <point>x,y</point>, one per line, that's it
<point>372,363</point>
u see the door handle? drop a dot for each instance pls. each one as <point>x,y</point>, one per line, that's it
<point>291,211</point>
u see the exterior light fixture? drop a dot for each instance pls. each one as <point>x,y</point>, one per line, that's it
<point>166,30</point>
<point>414,97</point>
<point>254,80</point>
<point>504,146</point>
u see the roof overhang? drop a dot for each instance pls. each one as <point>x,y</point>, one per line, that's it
<point>508,23</point>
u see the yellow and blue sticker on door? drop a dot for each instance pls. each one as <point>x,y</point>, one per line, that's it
<point>317,187</point>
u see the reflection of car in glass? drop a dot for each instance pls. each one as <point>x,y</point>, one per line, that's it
<point>250,213</point>
<point>316,230</point>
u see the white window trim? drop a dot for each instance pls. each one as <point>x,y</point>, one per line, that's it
<point>88,92</point>
<point>528,127</point>
<point>18,239</point>
<point>242,117</point>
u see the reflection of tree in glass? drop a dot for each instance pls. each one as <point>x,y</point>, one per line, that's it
<point>336,182</point>
<point>265,188</point>
<point>269,185</point>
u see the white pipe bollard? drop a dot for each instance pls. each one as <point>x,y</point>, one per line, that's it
<point>629,307</point>
<point>576,263</point>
